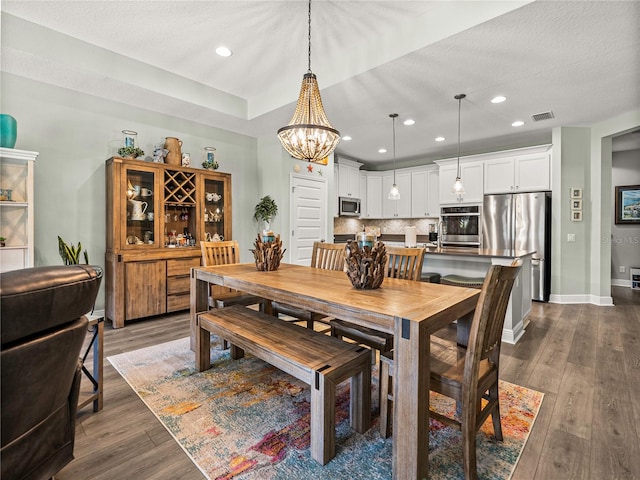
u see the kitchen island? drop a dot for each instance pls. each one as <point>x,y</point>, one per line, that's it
<point>475,262</point>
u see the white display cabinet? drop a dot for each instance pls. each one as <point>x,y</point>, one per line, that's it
<point>16,208</point>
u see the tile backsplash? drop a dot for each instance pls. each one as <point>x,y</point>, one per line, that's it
<point>347,225</point>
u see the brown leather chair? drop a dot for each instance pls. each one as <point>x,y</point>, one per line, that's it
<point>43,328</point>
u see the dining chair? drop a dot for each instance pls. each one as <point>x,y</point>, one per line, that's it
<point>467,375</point>
<point>327,256</point>
<point>224,253</point>
<point>403,263</point>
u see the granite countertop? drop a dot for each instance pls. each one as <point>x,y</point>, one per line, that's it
<point>477,252</point>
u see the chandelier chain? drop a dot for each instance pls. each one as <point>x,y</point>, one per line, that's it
<point>309,38</point>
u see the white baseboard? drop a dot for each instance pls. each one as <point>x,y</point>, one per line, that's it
<point>601,301</point>
<point>512,336</point>
<point>621,282</point>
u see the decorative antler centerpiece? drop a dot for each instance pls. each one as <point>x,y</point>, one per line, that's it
<point>268,254</point>
<point>366,265</point>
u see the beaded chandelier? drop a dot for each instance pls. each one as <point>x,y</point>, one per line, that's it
<point>309,135</point>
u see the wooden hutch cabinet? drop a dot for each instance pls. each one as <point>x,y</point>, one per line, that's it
<point>157,214</point>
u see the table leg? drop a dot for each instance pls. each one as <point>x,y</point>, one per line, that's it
<point>199,302</point>
<point>411,401</point>
<point>98,352</point>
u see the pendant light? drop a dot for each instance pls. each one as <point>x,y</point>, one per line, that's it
<point>394,193</point>
<point>458,188</point>
<point>309,135</point>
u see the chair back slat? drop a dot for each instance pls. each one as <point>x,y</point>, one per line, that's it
<point>328,256</point>
<point>220,253</point>
<point>488,321</point>
<point>405,262</point>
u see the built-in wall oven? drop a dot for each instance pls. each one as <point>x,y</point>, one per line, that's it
<point>461,226</point>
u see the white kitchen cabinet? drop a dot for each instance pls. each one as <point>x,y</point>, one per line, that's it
<point>525,173</point>
<point>425,201</point>
<point>396,208</point>
<point>471,174</point>
<point>363,194</point>
<point>16,213</point>
<point>349,179</point>
<point>374,195</point>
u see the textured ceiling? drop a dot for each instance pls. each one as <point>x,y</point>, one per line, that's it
<point>578,59</point>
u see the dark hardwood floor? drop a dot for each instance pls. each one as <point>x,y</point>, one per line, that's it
<point>586,359</point>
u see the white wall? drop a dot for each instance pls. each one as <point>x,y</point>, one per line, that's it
<point>625,239</point>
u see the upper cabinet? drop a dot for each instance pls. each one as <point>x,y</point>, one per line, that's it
<point>471,174</point>
<point>153,206</point>
<point>425,201</point>
<point>524,173</point>
<point>16,208</point>
<point>349,178</point>
<point>374,195</point>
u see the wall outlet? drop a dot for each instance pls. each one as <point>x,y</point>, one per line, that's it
<point>622,269</point>
<point>571,237</point>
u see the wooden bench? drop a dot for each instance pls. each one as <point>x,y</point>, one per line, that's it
<point>318,360</point>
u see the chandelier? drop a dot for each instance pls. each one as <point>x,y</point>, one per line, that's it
<point>309,135</point>
<point>458,188</point>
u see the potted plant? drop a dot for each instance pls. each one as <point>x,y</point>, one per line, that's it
<point>265,211</point>
<point>130,152</point>
<point>2,241</point>
<point>70,254</point>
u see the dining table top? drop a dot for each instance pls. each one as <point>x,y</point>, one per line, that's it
<point>330,292</point>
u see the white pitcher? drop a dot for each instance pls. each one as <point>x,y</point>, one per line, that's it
<point>138,209</point>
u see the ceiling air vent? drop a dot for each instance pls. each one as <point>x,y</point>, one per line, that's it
<point>538,117</point>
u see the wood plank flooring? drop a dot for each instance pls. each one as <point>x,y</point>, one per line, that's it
<point>586,359</point>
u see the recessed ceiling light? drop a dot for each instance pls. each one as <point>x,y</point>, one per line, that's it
<point>382,150</point>
<point>498,99</point>
<point>439,139</point>
<point>518,123</point>
<point>346,138</point>
<point>224,52</point>
<point>409,121</point>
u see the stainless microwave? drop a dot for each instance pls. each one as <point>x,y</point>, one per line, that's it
<point>348,207</point>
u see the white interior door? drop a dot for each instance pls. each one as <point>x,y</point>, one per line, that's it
<point>308,216</point>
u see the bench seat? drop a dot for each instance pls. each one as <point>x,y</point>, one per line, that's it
<point>318,360</point>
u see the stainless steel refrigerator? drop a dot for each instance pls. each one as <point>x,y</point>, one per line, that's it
<point>522,221</point>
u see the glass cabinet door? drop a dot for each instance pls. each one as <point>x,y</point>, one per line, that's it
<point>214,210</point>
<point>141,206</point>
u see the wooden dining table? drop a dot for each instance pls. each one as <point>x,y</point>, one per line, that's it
<point>410,310</point>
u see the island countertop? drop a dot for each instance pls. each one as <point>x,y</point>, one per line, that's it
<point>477,252</point>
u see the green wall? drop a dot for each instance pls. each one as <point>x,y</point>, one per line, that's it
<point>75,133</point>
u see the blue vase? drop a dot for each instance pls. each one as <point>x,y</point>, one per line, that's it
<point>8,131</point>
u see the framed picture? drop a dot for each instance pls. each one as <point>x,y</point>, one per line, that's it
<point>627,205</point>
<point>576,193</point>
<point>576,216</point>
<point>576,204</point>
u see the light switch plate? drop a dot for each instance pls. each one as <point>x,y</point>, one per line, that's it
<point>571,237</point>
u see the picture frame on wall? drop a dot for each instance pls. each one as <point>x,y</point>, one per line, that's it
<point>576,193</point>
<point>627,205</point>
<point>576,216</point>
<point>576,204</point>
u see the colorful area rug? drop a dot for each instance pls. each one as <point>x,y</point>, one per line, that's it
<point>244,419</point>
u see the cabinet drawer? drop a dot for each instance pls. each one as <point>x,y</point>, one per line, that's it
<point>181,266</point>
<point>179,284</point>
<point>177,302</point>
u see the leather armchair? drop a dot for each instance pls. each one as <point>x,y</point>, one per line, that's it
<point>43,328</point>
